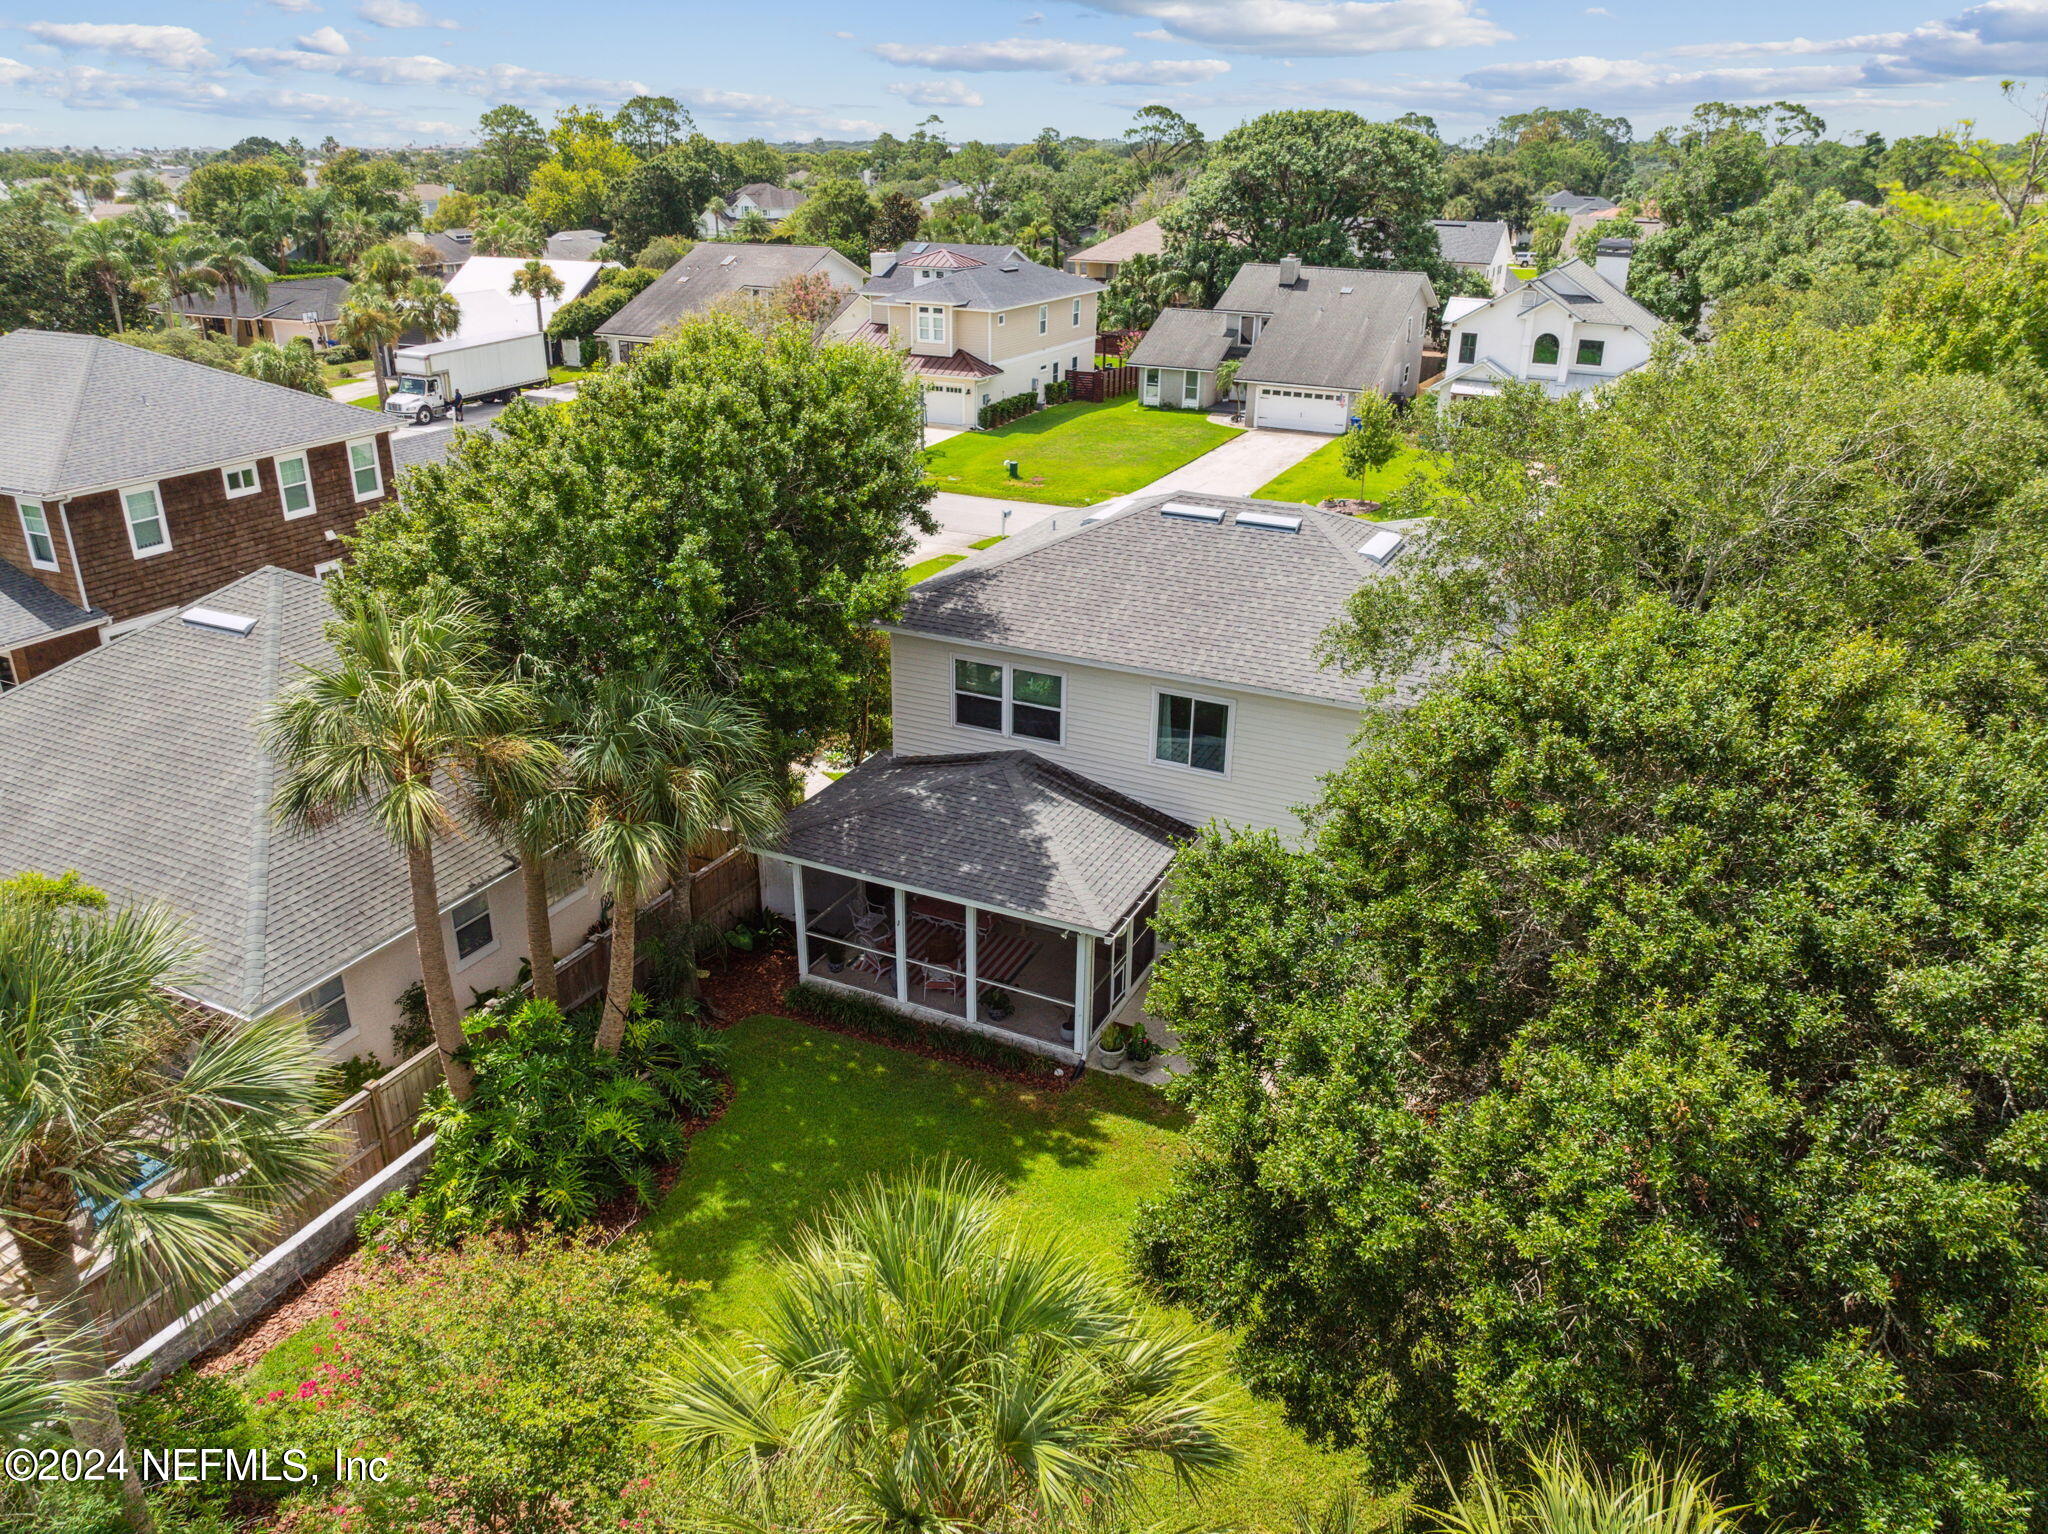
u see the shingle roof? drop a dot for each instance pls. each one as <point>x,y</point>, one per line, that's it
<point>162,794</point>
<point>1585,294</point>
<point>574,245</point>
<point>1146,239</point>
<point>1221,602</point>
<point>773,201</point>
<point>1469,242</point>
<point>1006,829</point>
<point>84,412</point>
<point>29,609</point>
<point>1574,202</point>
<point>1331,329</point>
<point>288,298</point>
<point>1185,338</point>
<point>1004,280</point>
<point>453,246</point>
<point>708,273</point>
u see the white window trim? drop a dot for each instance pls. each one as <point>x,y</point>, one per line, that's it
<point>1044,318</point>
<point>28,537</point>
<point>574,895</point>
<point>312,497</point>
<point>1002,320</point>
<point>353,1028</point>
<point>1006,667</point>
<point>163,519</point>
<point>1077,312</point>
<point>327,567</point>
<point>936,313</point>
<point>1229,734</point>
<point>255,479</point>
<point>454,942</point>
<point>376,468</point>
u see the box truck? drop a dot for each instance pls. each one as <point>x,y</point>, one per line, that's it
<point>431,374</point>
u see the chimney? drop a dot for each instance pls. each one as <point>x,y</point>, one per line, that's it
<point>1611,260</point>
<point>1290,271</point>
<point>879,262</point>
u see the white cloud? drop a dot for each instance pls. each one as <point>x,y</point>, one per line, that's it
<point>400,13</point>
<point>166,47</point>
<point>296,7</point>
<point>1083,63</point>
<point>935,93</point>
<point>85,88</point>
<point>1998,39</point>
<point>511,82</point>
<point>1598,10</point>
<point>324,40</point>
<point>1316,27</point>
<point>7,130</point>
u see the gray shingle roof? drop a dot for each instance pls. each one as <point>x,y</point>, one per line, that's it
<point>1006,829</point>
<point>1331,329</point>
<point>1469,242</point>
<point>162,794</point>
<point>1219,602</point>
<point>29,609</point>
<point>84,413</point>
<point>773,201</point>
<point>708,273</point>
<point>288,298</point>
<point>1185,338</point>
<point>1003,280</point>
<point>1575,202</point>
<point>1586,294</point>
<point>575,244</point>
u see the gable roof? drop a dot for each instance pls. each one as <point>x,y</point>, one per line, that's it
<point>1470,241</point>
<point>574,244</point>
<point>773,201</point>
<point>708,273</point>
<point>1003,278</point>
<point>287,298</point>
<point>453,246</point>
<point>1586,294</point>
<point>1332,328</point>
<point>29,610</point>
<point>1003,828</point>
<point>1185,338</point>
<point>1574,202</point>
<point>483,286</point>
<point>1146,239</point>
<point>84,413</point>
<point>1223,602</point>
<point>273,912</point>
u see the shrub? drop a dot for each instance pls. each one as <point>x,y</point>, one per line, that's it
<point>1000,412</point>
<point>340,1082</point>
<point>195,1411</point>
<point>554,1130</point>
<point>1059,393</point>
<point>860,1015</point>
<point>415,1030</point>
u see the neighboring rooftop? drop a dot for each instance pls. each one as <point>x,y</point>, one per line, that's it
<point>1006,828</point>
<point>29,610</point>
<point>1470,241</point>
<point>1186,338</point>
<point>1574,202</point>
<point>1146,239</point>
<point>1331,328</point>
<point>451,246</point>
<point>574,245</point>
<point>773,201</point>
<point>490,309</point>
<point>708,273</point>
<point>85,413</point>
<point>274,912</point>
<point>1589,297</point>
<point>315,300</point>
<point>1002,277</point>
<point>1175,585</point>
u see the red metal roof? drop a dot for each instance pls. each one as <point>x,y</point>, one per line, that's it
<point>951,259</point>
<point>959,365</point>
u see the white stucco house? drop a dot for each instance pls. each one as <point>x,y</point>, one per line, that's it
<point>1068,710</point>
<point>1482,246</point>
<point>1571,329</point>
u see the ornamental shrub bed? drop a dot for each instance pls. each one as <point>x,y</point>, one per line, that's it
<point>859,1015</point>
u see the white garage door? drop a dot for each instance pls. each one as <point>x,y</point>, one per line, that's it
<point>946,405</point>
<point>1301,410</point>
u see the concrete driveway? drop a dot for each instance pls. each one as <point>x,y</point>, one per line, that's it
<point>964,520</point>
<point>1242,465</point>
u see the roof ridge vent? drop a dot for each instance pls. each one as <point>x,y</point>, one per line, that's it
<point>238,624</point>
<point>1383,545</point>
<point>1187,511</point>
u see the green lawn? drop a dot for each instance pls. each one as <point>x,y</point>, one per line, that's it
<point>814,1113</point>
<point>986,543</point>
<point>924,569</point>
<point>560,375</point>
<point>1075,455</point>
<point>367,402</point>
<point>1321,477</point>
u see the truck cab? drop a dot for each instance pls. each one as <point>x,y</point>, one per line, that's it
<point>418,398</point>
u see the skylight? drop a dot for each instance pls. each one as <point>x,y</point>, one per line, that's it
<point>214,618</point>
<point>1382,546</point>
<point>1273,519</point>
<point>1189,512</point>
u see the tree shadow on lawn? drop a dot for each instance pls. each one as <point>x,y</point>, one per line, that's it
<point>814,1113</point>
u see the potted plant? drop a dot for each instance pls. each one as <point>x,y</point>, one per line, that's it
<point>997,1003</point>
<point>835,955</point>
<point>1139,1050</point>
<point>1114,1040</point>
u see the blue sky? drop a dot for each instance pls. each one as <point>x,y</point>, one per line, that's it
<point>118,73</point>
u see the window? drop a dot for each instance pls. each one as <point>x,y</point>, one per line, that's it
<point>1193,732</point>
<point>240,479</point>
<point>566,874</point>
<point>327,567</point>
<point>1468,346</point>
<point>1190,388</point>
<point>472,922</point>
<point>362,468</point>
<point>35,527</point>
<point>325,1009</point>
<point>144,511</point>
<point>1009,700</point>
<point>1592,353</point>
<point>295,485</point>
<point>1055,372</point>
<point>1002,320</point>
<point>1077,311</point>
<point>1545,353</point>
<point>1044,317</point>
<point>931,323</point>
<point>1152,379</point>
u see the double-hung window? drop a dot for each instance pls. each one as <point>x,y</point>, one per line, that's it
<point>1468,346</point>
<point>295,485</point>
<point>1192,732</point>
<point>363,470</point>
<point>1044,318</point>
<point>35,527</point>
<point>472,923</point>
<point>1077,311</point>
<point>240,480</point>
<point>143,510</point>
<point>1009,700</point>
<point>566,873</point>
<point>1592,353</point>
<point>931,323</point>
<point>325,1009</point>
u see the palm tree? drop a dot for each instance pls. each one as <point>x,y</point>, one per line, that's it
<point>385,268</point>
<point>234,266</point>
<point>655,768</point>
<point>1563,1491</point>
<point>293,365</point>
<point>104,253</point>
<point>407,722</point>
<point>176,269</point>
<point>429,308</point>
<point>104,1072</point>
<point>934,1369</point>
<point>538,279</point>
<point>534,812</point>
<point>371,324</point>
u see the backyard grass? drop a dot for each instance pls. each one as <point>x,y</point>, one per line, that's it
<point>924,569</point>
<point>561,375</point>
<point>814,1113</point>
<point>1075,455</point>
<point>1321,477</point>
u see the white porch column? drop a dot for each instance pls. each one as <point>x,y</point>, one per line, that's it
<point>902,947</point>
<point>973,938</point>
<point>803,924</point>
<point>1084,994</point>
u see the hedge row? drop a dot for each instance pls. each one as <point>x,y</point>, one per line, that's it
<point>860,1015</point>
<point>1003,411</point>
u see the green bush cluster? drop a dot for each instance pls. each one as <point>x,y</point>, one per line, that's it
<point>893,1027</point>
<point>554,1130</point>
<point>1003,411</point>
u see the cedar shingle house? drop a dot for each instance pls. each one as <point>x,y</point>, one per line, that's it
<point>132,482</point>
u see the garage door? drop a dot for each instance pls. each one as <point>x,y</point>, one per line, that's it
<point>1301,410</point>
<point>946,405</point>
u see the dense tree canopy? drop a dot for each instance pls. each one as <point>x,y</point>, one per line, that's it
<point>1791,238</point>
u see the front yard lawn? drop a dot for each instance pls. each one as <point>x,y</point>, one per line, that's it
<point>1321,477</point>
<point>1075,455</point>
<point>925,569</point>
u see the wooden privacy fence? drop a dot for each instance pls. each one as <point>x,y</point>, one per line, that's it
<point>725,886</point>
<point>1099,384</point>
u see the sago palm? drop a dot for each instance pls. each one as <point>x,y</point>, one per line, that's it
<point>406,723</point>
<point>653,769</point>
<point>106,1076</point>
<point>943,1372</point>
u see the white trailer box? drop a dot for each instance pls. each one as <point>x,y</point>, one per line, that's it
<point>430,375</point>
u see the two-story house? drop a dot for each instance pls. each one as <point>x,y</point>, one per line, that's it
<point>1308,340</point>
<point>979,323</point>
<point>710,273</point>
<point>1069,706</point>
<point>1102,259</point>
<point>1569,330</point>
<point>774,203</point>
<point>132,482</point>
<point>1484,247</point>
